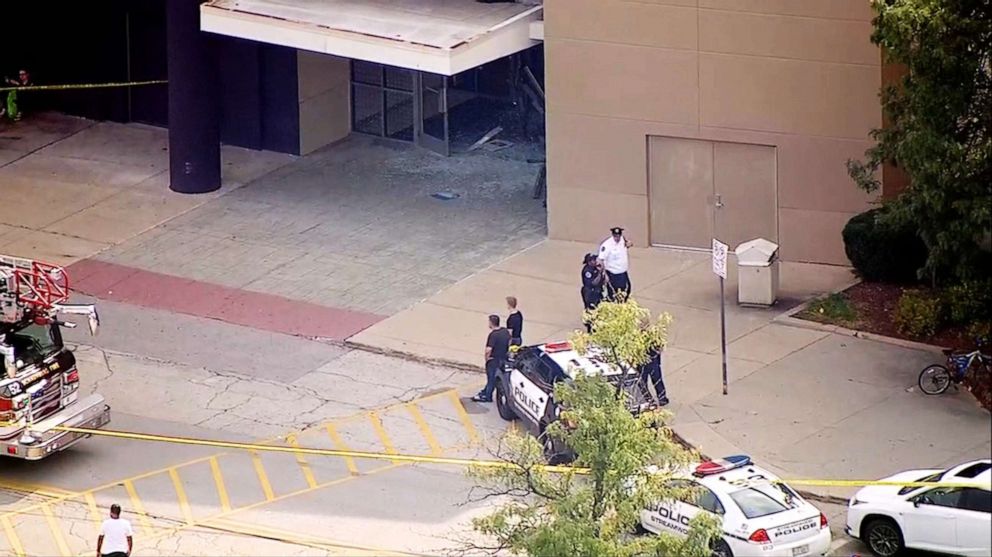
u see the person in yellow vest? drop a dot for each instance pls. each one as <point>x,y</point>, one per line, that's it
<point>12,110</point>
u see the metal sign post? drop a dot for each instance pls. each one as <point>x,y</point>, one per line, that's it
<point>720,270</point>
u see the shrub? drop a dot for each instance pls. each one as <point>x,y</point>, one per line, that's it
<point>880,251</point>
<point>918,314</point>
<point>969,301</point>
<point>980,332</point>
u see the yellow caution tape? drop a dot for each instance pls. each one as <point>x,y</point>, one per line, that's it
<point>859,483</point>
<point>394,457</point>
<point>313,451</point>
<point>83,86</point>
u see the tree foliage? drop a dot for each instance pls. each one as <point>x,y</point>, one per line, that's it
<point>623,332</point>
<point>623,464</point>
<point>939,116</point>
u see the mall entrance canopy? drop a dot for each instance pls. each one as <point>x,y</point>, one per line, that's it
<point>437,36</point>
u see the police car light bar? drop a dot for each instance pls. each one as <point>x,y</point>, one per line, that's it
<point>723,465</point>
<point>553,347</point>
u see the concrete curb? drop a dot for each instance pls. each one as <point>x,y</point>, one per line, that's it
<point>788,318</point>
<point>410,356</point>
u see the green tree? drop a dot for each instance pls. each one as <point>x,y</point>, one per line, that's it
<point>623,464</point>
<point>939,115</point>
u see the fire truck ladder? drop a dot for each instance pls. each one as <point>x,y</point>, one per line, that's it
<point>26,283</point>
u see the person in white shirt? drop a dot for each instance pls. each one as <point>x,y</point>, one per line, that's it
<point>613,256</point>
<point>115,535</point>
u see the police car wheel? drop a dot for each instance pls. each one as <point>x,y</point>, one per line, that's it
<point>721,549</point>
<point>503,404</point>
<point>551,452</point>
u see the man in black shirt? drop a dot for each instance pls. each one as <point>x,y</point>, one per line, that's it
<point>514,322</point>
<point>497,350</point>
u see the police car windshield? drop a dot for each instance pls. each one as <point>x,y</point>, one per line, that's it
<point>764,499</point>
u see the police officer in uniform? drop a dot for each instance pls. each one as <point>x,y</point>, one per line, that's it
<point>593,277</point>
<point>613,256</point>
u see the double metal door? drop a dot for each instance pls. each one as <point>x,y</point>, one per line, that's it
<point>699,190</point>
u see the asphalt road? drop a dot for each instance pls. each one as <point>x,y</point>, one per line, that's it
<point>175,375</point>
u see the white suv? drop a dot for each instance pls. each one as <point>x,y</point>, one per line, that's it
<point>950,518</point>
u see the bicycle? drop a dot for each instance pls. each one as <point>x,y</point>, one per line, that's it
<point>935,379</point>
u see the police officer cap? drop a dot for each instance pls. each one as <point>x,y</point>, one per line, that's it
<point>616,230</point>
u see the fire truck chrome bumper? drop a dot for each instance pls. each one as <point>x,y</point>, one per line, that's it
<point>88,413</point>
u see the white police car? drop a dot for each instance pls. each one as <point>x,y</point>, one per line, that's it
<point>953,518</point>
<point>525,388</point>
<point>760,514</point>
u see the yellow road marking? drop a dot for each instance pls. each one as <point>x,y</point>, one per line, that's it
<point>424,429</point>
<point>38,489</point>
<point>91,503</point>
<point>296,493</point>
<point>63,495</point>
<point>177,483</point>
<point>302,461</point>
<point>463,416</point>
<point>53,525</point>
<point>12,539</point>
<point>139,509</point>
<point>225,501</point>
<point>340,444</point>
<point>104,487</point>
<point>380,431</point>
<point>263,478</point>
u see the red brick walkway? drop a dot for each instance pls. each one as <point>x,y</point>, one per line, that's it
<point>118,283</point>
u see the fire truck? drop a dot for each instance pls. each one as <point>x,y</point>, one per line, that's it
<point>39,381</point>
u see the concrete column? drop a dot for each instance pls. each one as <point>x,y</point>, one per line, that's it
<point>194,115</point>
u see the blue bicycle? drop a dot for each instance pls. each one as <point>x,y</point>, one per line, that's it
<point>935,379</point>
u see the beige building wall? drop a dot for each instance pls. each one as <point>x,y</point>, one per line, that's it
<point>325,99</point>
<point>797,76</point>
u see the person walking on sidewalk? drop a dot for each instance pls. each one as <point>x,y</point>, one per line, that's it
<point>514,321</point>
<point>613,256</point>
<point>497,350</point>
<point>592,285</point>
<point>116,537</point>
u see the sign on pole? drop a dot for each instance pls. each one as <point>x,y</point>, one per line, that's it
<point>720,270</point>
<point>719,258</point>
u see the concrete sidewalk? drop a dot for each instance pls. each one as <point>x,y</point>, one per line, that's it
<point>803,402</point>
<point>71,187</point>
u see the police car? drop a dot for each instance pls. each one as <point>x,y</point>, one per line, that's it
<point>760,514</point>
<point>953,518</point>
<point>525,388</point>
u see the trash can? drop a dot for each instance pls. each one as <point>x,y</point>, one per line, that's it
<point>757,273</point>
